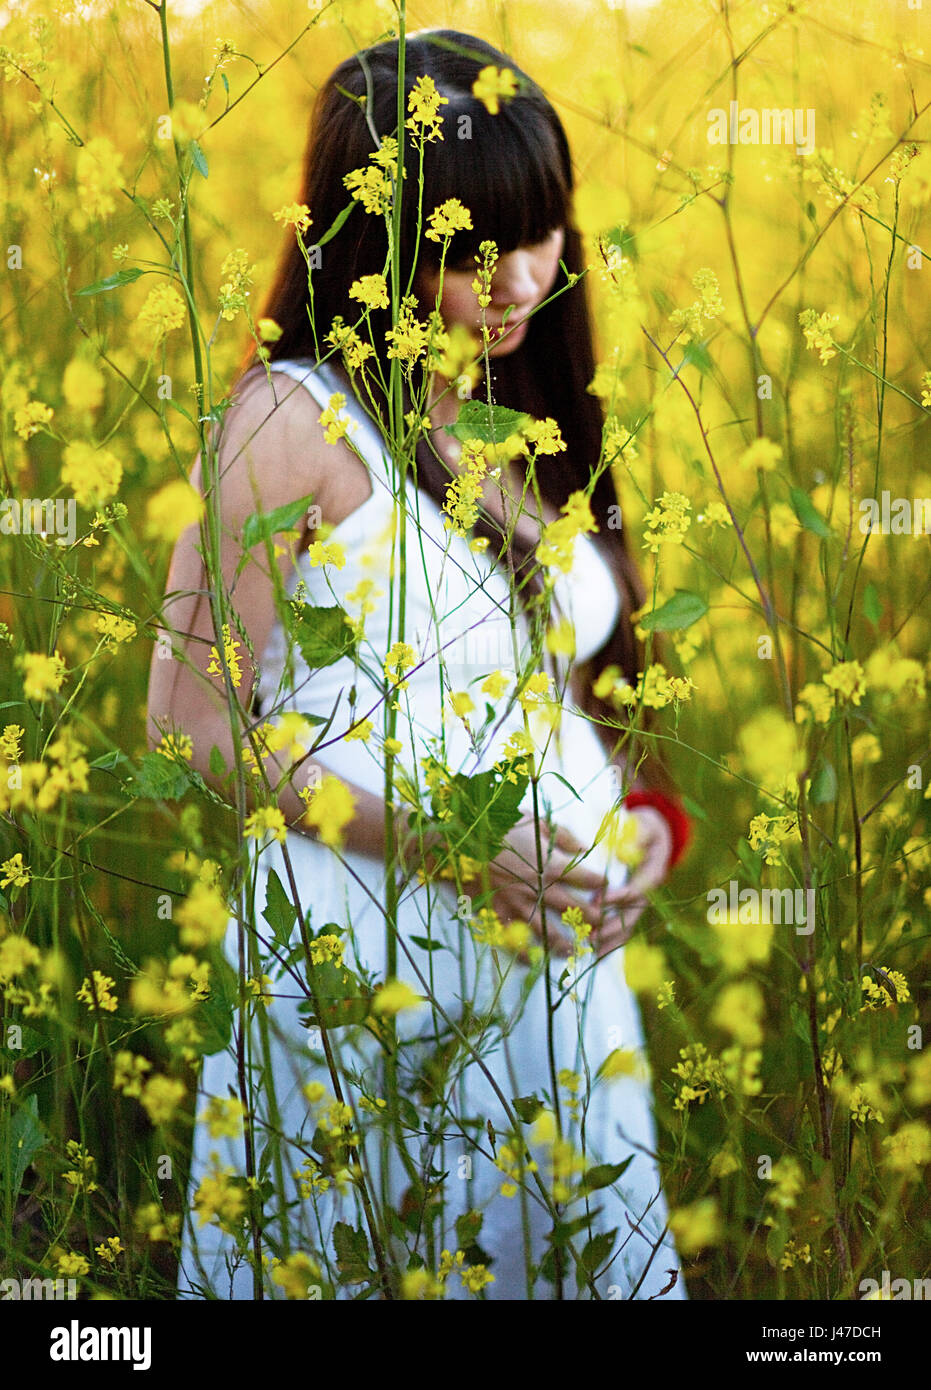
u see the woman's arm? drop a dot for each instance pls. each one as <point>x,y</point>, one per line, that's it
<point>272,452</point>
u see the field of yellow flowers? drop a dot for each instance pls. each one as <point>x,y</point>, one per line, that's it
<point>764,358</point>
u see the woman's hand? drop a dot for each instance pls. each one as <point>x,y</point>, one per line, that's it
<point>513,877</point>
<point>622,906</point>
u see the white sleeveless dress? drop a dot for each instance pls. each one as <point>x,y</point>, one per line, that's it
<point>457,601</point>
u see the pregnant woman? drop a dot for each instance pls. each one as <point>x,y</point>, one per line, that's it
<point>487,1000</point>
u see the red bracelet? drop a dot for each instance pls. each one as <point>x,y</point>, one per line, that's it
<point>679,824</point>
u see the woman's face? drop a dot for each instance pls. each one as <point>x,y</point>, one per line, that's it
<point>522,278</point>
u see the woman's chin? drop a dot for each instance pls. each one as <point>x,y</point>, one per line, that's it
<point>500,347</point>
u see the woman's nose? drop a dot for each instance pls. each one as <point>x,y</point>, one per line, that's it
<point>513,281</point>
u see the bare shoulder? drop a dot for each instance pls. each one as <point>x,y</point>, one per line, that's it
<point>272,450</point>
<point>270,446</point>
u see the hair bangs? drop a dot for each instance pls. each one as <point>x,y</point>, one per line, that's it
<point>510,174</point>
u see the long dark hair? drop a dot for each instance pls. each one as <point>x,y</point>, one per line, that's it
<point>513,171</point>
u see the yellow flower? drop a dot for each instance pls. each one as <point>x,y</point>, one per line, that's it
<point>492,85</point>
<point>644,966</point>
<point>70,1265</point>
<point>15,871</point>
<point>708,305</point>
<point>461,702</point>
<point>109,1251</point>
<point>738,1010</point>
<point>336,424</point>
<point>28,419</point>
<point>223,1117</point>
<point>399,658</point>
<point>83,384</point>
<point>737,947</point>
<point>296,1275</point>
<point>667,521</point>
<point>11,745</point>
<point>762,453</point>
<point>330,807</point>
<point>496,684</point>
<point>394,997</point>
<point>93,475</point>
<point>370,290</point>
<point>102,985</point>
<point>560,638</point>
<point>294,215</point>
<point>266,820</point>
<point>909,1148</point>
<point>172,509</point>
<point>176,746</point>
<point>419,1284</point>
<point>231,651</point>
<point>558,538</point>
<point>203,916</point>
<point>423,103</point>
<point>129,1072</point>
<point>160,1098</point>
<point>848,679</point>
<point>220,1197</point>
<point>814,702</point>
<point>362,730</point>
<point>326,553</point>
<point>696,1226</point>
<point>448,218</point>
<point>163,311</point>
<point>115,629</point>
<point>17,955</point>
<point>817,330</point>
<point>370,187</point>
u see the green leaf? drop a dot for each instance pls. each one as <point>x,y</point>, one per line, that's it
<point>30,1042</point>
<point>113,282</point>
<point>217,762</point>
<point>352,1253</point>
<point>750,860</point>
<point>808,515</point>
<point>215,1014</point>
<point>323,634</point>
<point>468,1227</point>
<point>426,944</point>
<point>563,1231</point>
<point>342,997</point>
<point>559,777</point>
<point>824,785</point>
<point>200,163</point>
<point>107,761</point>
<point>872,608</point>
<point>682,610</point>
<point>490,424</point>
<point>696,355</point>
<point>597,1251</point>
<point>482,809</point>
<point>24,1137</point>
<point>261,526</point>
<point>337,223</point>
<point>279,911</point>
<point>158,778</point>
<point>694,809</point>
<point>604,1174</point>
<point>527,1107</point>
